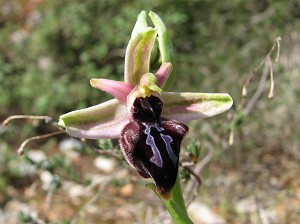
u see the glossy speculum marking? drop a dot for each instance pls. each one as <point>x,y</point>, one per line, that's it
<point>151,144</point>
<point>156,158</point>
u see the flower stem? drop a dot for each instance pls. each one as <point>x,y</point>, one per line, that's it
<point>175,204</point>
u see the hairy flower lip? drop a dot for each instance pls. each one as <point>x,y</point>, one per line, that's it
<point>113,118</point>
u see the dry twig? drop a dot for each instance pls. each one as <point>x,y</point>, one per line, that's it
<point>267,65</point>
<point>101,151</point>
<point>192,185</point>
<point>103,184</point>
<point>20,150</point>
<point>14,117</point>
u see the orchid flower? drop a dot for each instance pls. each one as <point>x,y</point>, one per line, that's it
<point>149,121</point>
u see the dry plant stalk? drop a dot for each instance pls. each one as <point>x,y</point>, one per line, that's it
<point>30,117</point>
<point>20,150</point>
<point>267,66</point>
<point>47,119</point>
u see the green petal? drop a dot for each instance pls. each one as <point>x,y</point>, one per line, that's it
<point>140,25</point>
<point>138,53</point>
<point>185,107</point>
<point>105,120</point>
<point>165,47</point>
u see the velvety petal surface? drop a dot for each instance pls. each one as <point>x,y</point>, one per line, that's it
<point>185,107</point>
<point>103,121</point>
<point>153,150</point>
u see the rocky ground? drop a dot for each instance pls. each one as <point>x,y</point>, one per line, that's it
<point>100,189</point>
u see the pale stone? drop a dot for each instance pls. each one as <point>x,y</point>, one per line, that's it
<point>47,178</point>
<point>76,190</point>
<point>246,205</point>
<point>12,210</point>
<point>69,147</point>
<point>202,214</point>
<point>127,190</point>
<point>37,156</point>
<point>105,165</point>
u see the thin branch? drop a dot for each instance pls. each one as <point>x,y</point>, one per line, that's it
<point>190,171</point>
<point>231,136</point>
<point>199,166</point>
<point>90,202</point>
<point>160,218</point>
<point>276,45</point>
<point>20,150</point>
<point>205,160</point>
<point>258,91</point>
<point>268,70</point>
<point>277,40</point>
<point>93,199</point>
<point>271,93</point>
<point>14,117</point>
<point>95,182</point>
<point>101,151</point>
<point>48,201</point>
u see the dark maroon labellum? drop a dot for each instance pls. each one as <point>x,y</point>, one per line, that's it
<point>151,144</point>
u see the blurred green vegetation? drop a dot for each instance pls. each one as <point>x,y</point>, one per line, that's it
<point>49,50</point>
